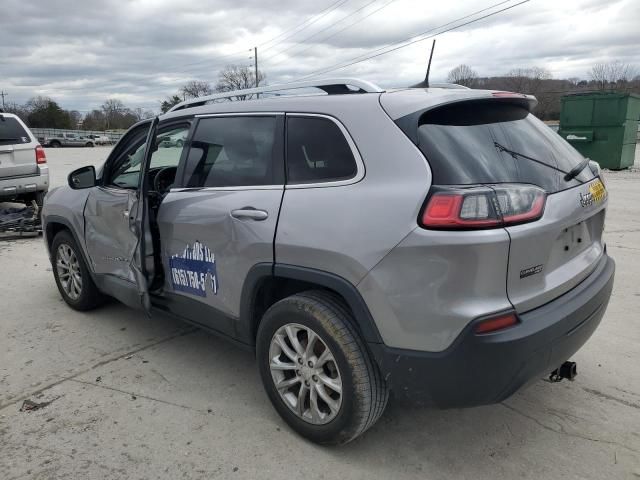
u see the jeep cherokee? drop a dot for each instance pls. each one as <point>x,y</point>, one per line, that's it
<point>442,244</point>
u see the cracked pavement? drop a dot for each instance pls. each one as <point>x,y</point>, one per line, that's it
<point>139,398</point>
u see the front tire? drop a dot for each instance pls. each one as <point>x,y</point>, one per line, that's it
<point>316,369</point>
<point>72,275</point>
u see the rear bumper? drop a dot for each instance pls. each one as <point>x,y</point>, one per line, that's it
<point>484,369</point>
<point>11,187</point>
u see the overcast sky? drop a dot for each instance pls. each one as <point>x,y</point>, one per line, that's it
<point>82,52</point>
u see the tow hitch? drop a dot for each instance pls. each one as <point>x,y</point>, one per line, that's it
<point>567,370</point>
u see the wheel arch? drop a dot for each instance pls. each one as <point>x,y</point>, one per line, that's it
<point>267,283</point>
<point>56,224</point>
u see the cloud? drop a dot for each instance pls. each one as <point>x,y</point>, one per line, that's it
<point>81,53</point>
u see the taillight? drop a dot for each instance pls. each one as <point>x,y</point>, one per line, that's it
<point>494,324</point>
<point>41,157</point>
<point>478,207</point>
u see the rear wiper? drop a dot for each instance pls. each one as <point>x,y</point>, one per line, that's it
<point>515,154</point>
<point>573,173</point>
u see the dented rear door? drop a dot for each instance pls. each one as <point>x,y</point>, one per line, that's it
<point>220,219</point>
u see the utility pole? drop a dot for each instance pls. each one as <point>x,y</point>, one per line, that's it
<point>5,94</point>
<point>255,64</point>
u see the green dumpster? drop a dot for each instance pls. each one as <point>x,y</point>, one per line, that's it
<point>602,126</point>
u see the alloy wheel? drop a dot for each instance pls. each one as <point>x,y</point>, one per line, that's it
<point>69,273</point>
<point>305,373</point>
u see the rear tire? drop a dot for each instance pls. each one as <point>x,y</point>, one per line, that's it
<point>351,383</point>
<point>72,275</point>
<point>89,144</point>
<point>55,144</point>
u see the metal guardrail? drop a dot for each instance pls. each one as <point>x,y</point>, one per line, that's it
<point>52,132</point>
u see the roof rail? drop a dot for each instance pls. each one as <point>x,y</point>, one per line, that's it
<point>331,86</point>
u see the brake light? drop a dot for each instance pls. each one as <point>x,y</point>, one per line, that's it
<point>508,95</point>
<point>480,207</point>
<point>41,157</point>
<point>497,323</point>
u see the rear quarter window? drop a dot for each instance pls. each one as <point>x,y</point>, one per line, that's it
<point>462,145</point>
<point>317,151</point>
<point>11,132</point>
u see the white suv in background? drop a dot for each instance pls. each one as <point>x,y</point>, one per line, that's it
<point>24,175</point>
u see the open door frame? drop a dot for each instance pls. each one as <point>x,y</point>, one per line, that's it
<point>139,222</point>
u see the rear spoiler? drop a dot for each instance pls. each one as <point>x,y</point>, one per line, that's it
<point>409,123</point>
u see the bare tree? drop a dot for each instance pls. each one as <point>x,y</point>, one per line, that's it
<point>142,114</point>
<point>527,80</point>
<point>573,81</point>
<point>462,75</point>
<point>19,110</point>
<point>238,77</point>
<point>610,74</point>
<point>112,109</point>
<point>195,89</point>
<point>38,103</point>
<point>94,120</point>
<point>76,118</point>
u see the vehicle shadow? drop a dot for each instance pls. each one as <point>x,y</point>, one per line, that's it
<point>203,365</point>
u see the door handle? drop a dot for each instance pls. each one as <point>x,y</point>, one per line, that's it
<point>250,213</point>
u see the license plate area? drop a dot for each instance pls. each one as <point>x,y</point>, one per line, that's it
<point>574,240</point>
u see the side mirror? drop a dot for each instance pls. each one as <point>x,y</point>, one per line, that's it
<point>84,177</point>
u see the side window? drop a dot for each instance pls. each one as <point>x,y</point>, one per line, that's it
<point>169,145</point>
<point>317,151</point>
<point>125,172</point>
<point>233,152</point>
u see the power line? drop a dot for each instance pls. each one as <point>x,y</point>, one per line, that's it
<point>321,30</point>
<point>207,68</point>
<point>235,54</point>
<point>411,40</point>
<point>338,31</point>
<point>293,28</point>
<point>207,65</point>
<point>310,22</point>
<point>354,60</point>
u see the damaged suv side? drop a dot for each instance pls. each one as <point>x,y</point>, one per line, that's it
<point>441,244</point>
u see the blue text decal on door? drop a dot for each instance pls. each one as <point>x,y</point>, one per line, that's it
<point>189,270</point>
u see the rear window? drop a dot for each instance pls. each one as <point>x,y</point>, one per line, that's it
<point>11,132</point>
<point>465,143</point>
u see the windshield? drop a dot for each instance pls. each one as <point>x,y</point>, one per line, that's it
<point>488,142</point>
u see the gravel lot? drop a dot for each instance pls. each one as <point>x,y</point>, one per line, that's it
<point>139,398</point>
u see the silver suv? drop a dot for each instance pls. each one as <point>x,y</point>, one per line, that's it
<point>24,175</point>
<point>441,244</point>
